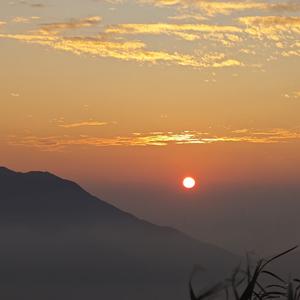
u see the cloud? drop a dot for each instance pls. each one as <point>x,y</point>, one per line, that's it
<point>291,53</point>
<point>184,31</point>
<point>279,22</point>
<point>212,45</point>
<point>57,143</point>
<point>55,28</point>
<point>2,23</point>
<point>211,8</point>
<point>294,95</point>
<point>218,60</point>
<point>31,4</point>
<point>21,20</point>
<point>282,31</point>
<point>37,5</point>
<point>114,1</point>
<point>122,50</point>
<point>84,124</point>
<point>227,63</point>
<point>187,17</point>
<point>228,36</point>
<point>24,20</point>
<point>271,27</point>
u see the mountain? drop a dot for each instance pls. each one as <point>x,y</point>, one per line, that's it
<point>60,242</point>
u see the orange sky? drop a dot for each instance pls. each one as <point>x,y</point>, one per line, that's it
<point>137,94</point>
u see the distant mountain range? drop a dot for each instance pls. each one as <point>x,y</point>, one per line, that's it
<point>60,242</point>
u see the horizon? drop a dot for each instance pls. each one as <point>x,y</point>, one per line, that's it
<point>232,247</point>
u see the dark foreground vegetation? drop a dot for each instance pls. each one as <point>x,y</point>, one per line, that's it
<point>256,282</point>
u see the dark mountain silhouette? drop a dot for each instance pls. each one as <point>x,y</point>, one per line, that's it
<point>60,242</point>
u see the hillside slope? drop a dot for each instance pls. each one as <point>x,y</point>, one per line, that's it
<point>58,241</point>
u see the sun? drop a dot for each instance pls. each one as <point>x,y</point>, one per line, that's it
<point>189,182</point>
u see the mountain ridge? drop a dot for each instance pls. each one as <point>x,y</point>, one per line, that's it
<point>56,233</point>
<point>49,175</point>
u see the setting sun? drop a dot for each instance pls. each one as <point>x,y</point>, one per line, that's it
<point>189,182</point>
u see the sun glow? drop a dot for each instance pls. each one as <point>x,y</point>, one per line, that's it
<point>189,182</point>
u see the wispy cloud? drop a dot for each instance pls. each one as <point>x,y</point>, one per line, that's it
<point>201,42</point>
<point>123,50</point>
<point>271,27</point>
<point>184,31</point>
<point>29,3</point>
<point>84,124</point>
<point>211,8</point>
<point>55,28</point>
<point>227,7</point>
<point>184,17</point>
<point>24,20</point>
<point>54,143</point>
<point>293,95</point>
<point>37,5</point>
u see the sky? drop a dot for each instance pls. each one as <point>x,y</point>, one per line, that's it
<point>128,97</point>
